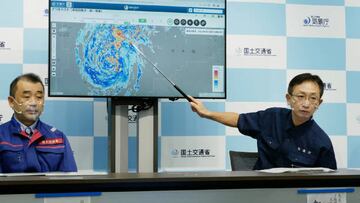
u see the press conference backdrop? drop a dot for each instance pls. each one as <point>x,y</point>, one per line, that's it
<point>268,42</point>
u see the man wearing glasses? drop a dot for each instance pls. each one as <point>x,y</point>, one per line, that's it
<point>26,143</point>
<point>285,137</point>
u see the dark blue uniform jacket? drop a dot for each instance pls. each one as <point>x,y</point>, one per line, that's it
<point>281,144</point>
<point>47,150</point>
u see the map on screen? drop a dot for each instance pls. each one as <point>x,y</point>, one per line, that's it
<point>91,52</point>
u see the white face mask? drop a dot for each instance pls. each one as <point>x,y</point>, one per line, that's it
<point>30,109</point>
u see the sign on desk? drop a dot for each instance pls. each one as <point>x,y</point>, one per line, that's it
<point>326,198</point>
<point>326,195</point>
<point>68,199</point>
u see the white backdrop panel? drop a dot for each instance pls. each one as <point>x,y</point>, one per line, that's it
<point>353,119</point>
<point>340,148</point>
<point>256,51</point>
<point>353,54</point>
<point>178,153</point>
<point>11,49</point>
<point>315,21</point>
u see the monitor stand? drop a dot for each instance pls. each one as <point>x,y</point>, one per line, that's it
<point>147,136</point>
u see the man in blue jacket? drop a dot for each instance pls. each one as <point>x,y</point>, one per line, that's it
<point>26,143</point>
<point>285,137</point>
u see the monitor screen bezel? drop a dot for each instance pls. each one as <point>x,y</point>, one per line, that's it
<point>135,96</point>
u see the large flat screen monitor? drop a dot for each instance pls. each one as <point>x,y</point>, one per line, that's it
<point>116,48</point>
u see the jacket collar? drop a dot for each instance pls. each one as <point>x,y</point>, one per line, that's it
<point>290,125</point>
<point>23,127</point>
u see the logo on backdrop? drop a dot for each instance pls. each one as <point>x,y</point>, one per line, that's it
<point>254,51</point>
<point>316,21</point>
<point>328,86</point>
<point>46,12</point>
<point>191,153</point>
<point>1,117</point>
<point>3,45</point>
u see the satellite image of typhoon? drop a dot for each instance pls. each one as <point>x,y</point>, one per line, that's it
<point>107,61</point>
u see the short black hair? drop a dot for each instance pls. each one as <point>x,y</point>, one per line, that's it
<point>297,80</point>
<point>31,77</point>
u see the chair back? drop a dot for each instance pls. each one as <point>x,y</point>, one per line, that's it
<point>242,161</point>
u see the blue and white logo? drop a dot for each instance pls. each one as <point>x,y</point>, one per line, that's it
<point>174,152</point>
<point>307,21</point>
<point>316,21</point>
<point>191,153</point>
<point>254,51</point>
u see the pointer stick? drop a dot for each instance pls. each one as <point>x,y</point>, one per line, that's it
<point>173,84</point>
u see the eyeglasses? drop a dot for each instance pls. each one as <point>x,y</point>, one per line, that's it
<point>302,98</point>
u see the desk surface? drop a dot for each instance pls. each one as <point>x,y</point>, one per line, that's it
<point>121,182</point>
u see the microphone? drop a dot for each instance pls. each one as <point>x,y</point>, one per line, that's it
<point>172,83</point>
